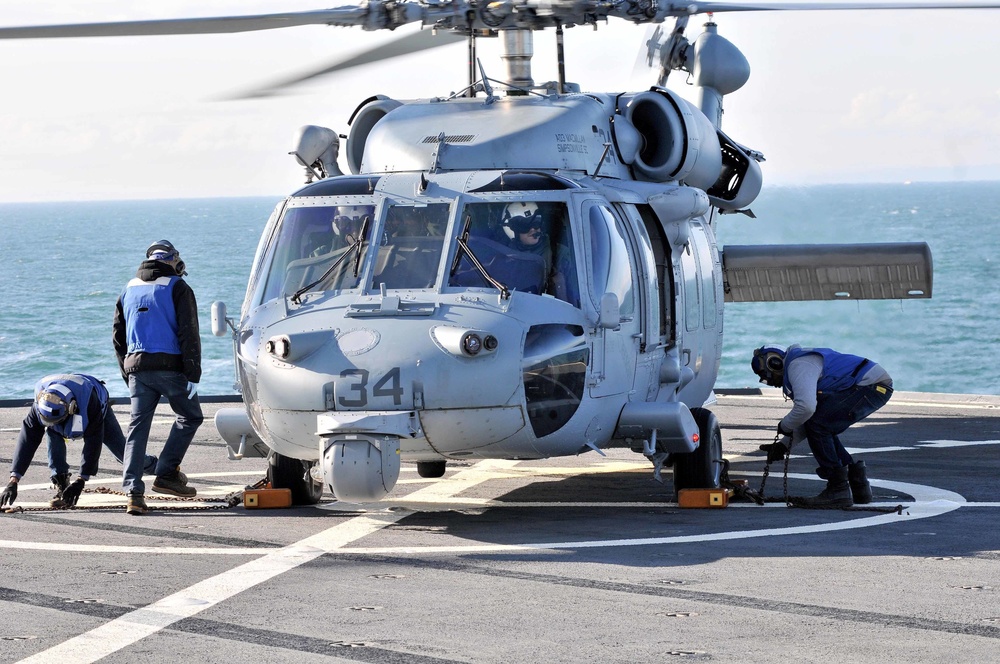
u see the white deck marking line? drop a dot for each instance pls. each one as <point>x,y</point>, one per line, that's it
<point>122,632</point>
<point>930,501</point>
<point>956,443</point>
<point>895,402</point>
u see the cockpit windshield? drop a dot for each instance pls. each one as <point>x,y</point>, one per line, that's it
<point>525,246</point>
<point>410,245</point>
<point>311,241</point>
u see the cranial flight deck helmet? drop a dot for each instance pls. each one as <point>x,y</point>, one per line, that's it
<point>53,407</point>
<point>164,250</point>
<point>769,364</point>
<point>348,219</point>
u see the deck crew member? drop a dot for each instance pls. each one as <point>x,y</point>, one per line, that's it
<point>831,391</point>
<point>67,407</point>
<point>157,340</point>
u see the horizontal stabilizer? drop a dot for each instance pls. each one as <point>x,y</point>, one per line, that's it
<point>793,272</point>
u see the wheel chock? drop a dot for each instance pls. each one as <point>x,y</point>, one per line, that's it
<point>703,497</point>
<point>267,498</point>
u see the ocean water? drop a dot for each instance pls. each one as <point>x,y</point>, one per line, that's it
<point>64,264</point>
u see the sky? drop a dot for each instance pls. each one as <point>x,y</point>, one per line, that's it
<point>877,96</point>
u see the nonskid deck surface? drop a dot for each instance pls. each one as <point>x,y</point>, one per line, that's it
<point>564,560</point>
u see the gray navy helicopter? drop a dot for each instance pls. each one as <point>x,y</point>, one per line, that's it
<point>513,271</point>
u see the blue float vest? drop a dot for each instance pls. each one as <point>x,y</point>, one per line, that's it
<point>840,370</point>
<point>79,387</point>
<point>150,317</point>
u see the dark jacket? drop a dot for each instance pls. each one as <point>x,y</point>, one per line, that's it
<point>188,334</point>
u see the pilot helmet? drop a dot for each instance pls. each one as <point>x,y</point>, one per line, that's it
<point>347,219</point>
<point>768,363</point>
<point>521,217</point>
<point>53,407</point>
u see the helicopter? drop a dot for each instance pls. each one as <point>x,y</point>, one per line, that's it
<point>515,270</point>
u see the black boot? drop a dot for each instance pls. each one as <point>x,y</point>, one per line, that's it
<point>60,481</point>
<point>837,492</point>
<point>861,490</point>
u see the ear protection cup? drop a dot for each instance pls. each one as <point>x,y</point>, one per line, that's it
<point>769,364</point>
<point>774,362</point>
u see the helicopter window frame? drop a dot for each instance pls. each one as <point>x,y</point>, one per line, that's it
<point>271,289</point>
<point>709,285</point>
<point>496,240</point>
<point>388,261</point>
<point>665,278</point>
<point>264,247</point>
<point>612,249</point>
<point>645,274</point>
<point>690,277</point>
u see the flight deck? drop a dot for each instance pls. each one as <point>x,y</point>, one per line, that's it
<point>576,559</point>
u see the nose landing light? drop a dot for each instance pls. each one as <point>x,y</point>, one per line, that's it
<point>280,347</point>
<point>463,342</point>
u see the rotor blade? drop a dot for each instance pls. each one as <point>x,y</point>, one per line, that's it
<point>420,40</point>
<point>342,16</point>
<point>390,14</point>
<point>709,7</point>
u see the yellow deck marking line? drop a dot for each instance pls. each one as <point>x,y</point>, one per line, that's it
<point>122,632</point>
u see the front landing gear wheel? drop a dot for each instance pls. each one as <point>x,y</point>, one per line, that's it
<point>431,468</point>
<point>701,469</point>
<point>287,473</point>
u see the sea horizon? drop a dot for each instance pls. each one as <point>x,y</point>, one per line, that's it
<point>62,284</point>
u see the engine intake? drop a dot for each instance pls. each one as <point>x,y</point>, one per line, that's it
<point>678,141</point>
<point>362,120</point>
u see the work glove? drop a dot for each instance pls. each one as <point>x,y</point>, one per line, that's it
<point>192,389</point>
<point>783,430</point>
<point>9,494</point>
<point>71,494</point>
<point>775,451</point>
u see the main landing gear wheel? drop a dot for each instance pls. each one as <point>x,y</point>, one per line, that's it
<point>701,469</point>
<point>431,468</point>
<point>287,473</point>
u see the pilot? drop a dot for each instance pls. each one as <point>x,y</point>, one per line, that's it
<point>345,226</point>
<point>531,231</point>
<point>67,406</point>
<point>831,391</point>
<point>526,229</point>
<point>158,344</point>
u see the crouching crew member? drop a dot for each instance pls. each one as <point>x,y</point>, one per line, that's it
<point>831,391</point>
<point>67,406</point>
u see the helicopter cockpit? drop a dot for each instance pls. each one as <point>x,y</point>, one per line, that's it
<point>527,247</point>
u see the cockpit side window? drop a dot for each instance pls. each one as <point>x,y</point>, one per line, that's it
<point>612,271</point>
<point>526,245</point>
<point>410,246</point>
<point>310,241</point>
<point>264,249</point>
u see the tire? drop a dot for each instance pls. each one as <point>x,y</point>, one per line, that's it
<point>701,469</point>
<point>287,473</point>
<point>431,468</point>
